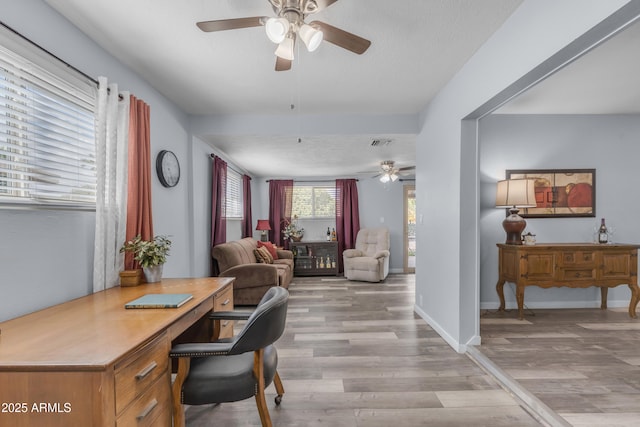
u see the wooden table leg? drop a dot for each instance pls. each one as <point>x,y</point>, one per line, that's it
<point>520,299</point>
<point>500,291</point>
<point>604,291</point>
<point>635,296</point>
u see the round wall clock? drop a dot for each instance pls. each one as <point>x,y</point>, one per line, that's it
<point>168,168</point>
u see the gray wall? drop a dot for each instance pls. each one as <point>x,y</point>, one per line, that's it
<point>46,257</point>
<point>380,205</point>
<point>447,273</point>
<point>609,144</point>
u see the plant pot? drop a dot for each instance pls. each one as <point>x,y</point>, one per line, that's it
<point>153,273</point>
<point>296,238</point>
<point>130,277</point>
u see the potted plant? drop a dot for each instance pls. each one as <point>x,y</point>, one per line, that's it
<point>292,231</point>
<point>150,254</point>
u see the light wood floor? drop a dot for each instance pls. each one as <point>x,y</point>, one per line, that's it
<point>582,364</point>
<point>355,354</point>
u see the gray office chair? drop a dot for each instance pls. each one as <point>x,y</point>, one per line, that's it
<point>237,368</point>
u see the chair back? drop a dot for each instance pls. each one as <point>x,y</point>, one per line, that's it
<point>266,324</point>
<point>372,240</point>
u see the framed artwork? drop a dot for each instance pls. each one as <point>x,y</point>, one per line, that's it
<point>560,192</point>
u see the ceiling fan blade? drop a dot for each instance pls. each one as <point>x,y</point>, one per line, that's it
<point>408,168</point>
<point>323,4</point>
<point>282,64</point>
<point>343,38</point>
<point>231,24</point>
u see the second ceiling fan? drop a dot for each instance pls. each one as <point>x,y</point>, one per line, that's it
<point>289,24</point>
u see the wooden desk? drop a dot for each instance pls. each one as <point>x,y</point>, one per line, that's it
<point>575,265</point>
<point>91,362</point>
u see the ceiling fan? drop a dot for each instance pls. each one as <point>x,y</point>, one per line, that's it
<point>289,25</point>
<point>388,172</point>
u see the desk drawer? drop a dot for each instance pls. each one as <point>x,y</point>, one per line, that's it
<point>223,300</point>
<point>135,374</point>
<point>152,408</point>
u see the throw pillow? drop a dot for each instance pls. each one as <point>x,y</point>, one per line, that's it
<point>263,256</point>
<point>270,247</point>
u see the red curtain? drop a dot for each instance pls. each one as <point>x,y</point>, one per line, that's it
<point>347,216</point>
<point>218,202</point>
<point>280,205</point>
<point>247,230</point>
<point>139,215</point>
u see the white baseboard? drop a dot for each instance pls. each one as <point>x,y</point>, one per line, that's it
<point>460,348</point>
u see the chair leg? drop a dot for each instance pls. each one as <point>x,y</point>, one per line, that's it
<point>176,391</point>
<point>258,371</point>
<point>277,382</point>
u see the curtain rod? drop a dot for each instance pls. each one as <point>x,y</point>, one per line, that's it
<point>311,182</point>
<point>85,75</point>
<point>62,61</point>
<point>212,155</point>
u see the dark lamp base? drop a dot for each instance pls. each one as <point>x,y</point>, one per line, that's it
<point>514,225</point>
<point>263,237</point>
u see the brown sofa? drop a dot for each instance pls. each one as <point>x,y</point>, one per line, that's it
<point>253,279</point>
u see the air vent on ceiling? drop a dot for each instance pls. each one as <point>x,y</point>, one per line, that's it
<point>381,142</point>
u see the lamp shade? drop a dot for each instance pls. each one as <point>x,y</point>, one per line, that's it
<point>516,193</point>
<point>277,29</point>
<point>285,49</point>
<point>310,36</point>
<point>263,225</point>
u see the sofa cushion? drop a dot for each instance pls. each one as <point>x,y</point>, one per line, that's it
<point>270,247</point>
<point>263,256</point>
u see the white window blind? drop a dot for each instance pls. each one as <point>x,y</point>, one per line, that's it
<point>47,135</point>
<point>314,201</point>
<point>234,195</point>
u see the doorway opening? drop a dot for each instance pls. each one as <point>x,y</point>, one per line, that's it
<point>409,228</point>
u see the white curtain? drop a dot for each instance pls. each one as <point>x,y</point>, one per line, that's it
<point>112,135</point>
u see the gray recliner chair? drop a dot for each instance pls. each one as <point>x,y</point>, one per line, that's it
<point>237,368</point>
<point>369,261</point>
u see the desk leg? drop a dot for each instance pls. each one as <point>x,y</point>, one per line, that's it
<point>520,299</point>
<point>635,296</point>
<point>604,291</point>
<point>500,291</point>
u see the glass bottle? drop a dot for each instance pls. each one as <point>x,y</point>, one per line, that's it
<point>328,234</point>
<point>603,235</point>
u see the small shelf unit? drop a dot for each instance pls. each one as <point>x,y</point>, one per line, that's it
<point>315,258</point>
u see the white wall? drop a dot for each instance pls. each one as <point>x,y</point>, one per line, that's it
<point>447,275</point>
<point>46,257</point>
<point>608,144</point>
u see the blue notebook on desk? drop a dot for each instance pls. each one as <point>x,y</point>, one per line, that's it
<point>159,301</point>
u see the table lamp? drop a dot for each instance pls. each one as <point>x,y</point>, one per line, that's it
<point>514,194</point>
<point>263,226</point>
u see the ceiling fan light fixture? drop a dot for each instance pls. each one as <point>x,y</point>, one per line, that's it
<point>385,178</point>
<point>393,177</point>
<point>285,49</point>
<point>311,37</point>
<point>277,29</point>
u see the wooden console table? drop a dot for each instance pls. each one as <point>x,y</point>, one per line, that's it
<point>91,362</point>
<point>574,265</point>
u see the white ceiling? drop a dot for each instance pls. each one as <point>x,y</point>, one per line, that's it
<point>417,46</point>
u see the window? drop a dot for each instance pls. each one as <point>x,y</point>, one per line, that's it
<point>234,195</point>
<point>47,134</point>
<point>314,202</point>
